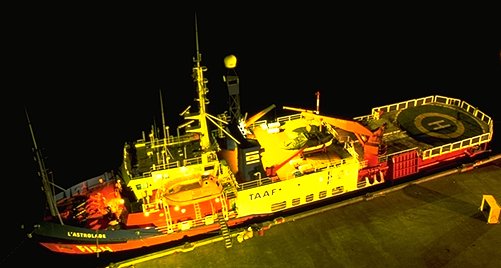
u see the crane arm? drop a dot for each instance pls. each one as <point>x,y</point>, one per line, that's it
<point>349,125</point>
<point>257,116</point>
<point>272,171</point>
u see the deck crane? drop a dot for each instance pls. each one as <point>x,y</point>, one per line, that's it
<point>272,171</point>
<point>370,140</point>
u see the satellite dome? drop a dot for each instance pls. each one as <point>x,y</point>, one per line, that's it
<point>230,61</point>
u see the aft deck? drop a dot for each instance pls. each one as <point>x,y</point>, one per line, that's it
<point>433,125</point>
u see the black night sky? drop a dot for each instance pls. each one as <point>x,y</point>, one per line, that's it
<point>90,77</point>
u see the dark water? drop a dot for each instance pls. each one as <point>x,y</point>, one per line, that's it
<point>91,86</point>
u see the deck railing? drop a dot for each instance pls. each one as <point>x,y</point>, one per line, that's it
<point>455,146</point>
<point>433,99</point>
<point>86,186</point>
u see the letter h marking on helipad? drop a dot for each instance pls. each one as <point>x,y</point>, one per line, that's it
<point>436,125</point>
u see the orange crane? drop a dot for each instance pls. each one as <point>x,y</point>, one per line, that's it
<point>257,116</point>
<point>272,171</point>
<point>370,140</point>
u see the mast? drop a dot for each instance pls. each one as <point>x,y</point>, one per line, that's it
<point>202,116</point>
<point>46,183</point>
<point>202,100</point>
<point>165,133</point>
<point>163,116</point>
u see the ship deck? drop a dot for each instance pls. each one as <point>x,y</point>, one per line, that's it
<point>423,126</point>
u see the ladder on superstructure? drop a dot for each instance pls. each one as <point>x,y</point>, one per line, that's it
<point>225,232</point>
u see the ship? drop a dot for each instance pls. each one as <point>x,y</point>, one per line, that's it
<point>227,171</point>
